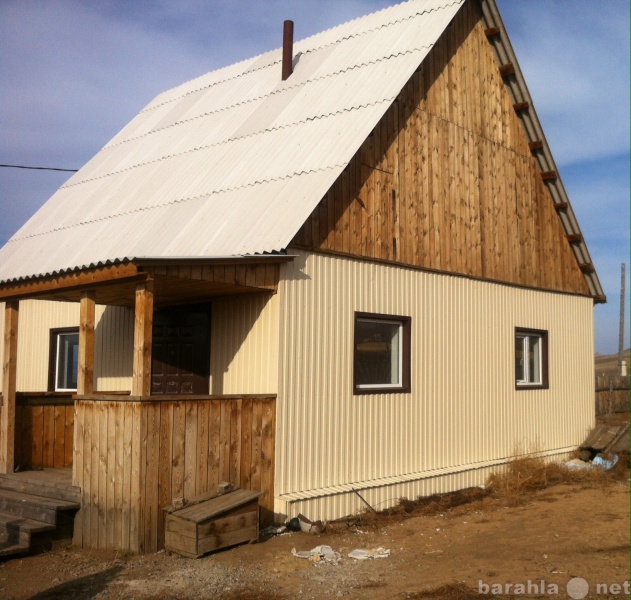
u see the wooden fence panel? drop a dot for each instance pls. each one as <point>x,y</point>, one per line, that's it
<point>45,432</point>
<point>612,394</point>
<point>171,449</point>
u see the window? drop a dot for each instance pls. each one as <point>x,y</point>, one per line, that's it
<point>381,353</point>
<point>63,359</point>
<point>531,358</point>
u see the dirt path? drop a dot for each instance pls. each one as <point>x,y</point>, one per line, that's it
<point>561,532</point>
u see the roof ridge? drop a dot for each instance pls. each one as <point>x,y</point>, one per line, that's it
<point>151,106</point>
<point>272,93</point>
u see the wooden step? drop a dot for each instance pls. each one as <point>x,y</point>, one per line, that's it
<point>38,508</point>
<point>40,483</point>
<point>22,536</point>
<point>14,549</point>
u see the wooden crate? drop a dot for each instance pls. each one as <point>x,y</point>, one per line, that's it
<point>209,525</point>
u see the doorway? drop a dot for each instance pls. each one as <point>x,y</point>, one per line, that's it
<point>180,362</point>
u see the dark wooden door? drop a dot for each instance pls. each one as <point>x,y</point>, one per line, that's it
<point>181,351</point>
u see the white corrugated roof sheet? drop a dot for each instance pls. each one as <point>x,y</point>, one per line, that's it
<point>231,163</point>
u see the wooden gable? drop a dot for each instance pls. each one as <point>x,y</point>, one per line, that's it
<point>446,180</point>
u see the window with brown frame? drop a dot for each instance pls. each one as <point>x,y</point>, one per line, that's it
<point>63,359</point>
<point>381,353</point>
<point>531,358</point>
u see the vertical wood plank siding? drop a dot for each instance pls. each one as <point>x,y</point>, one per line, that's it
<point>171,449</point>
<point>43,435</point>
<point>446,180</point>
<point>463,412</point>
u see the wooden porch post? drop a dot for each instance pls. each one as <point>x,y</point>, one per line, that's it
<point>143,333</point>
<point>9,379</point>
<point>85,379</point>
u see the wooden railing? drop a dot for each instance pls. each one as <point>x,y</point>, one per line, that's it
<point>133,456</point>
<point>44,425</point>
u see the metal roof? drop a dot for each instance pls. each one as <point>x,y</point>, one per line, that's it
<point>233,162</point>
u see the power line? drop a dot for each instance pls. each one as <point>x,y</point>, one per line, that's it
<point>38,168</point>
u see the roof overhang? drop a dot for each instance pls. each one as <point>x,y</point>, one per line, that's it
<point>523,105</point>
<point>177,280</point>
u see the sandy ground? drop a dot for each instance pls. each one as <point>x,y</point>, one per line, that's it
<point>553,535</point>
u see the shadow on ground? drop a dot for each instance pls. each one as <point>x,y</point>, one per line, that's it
<point>84,587</point>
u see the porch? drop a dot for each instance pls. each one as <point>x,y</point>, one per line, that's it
<point>134,452</point>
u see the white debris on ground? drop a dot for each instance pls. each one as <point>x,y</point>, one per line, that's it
<point>326,554</point>
<point>319,554</point>
<point>363,554</point>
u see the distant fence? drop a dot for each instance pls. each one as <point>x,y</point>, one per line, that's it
<point>612,394</point>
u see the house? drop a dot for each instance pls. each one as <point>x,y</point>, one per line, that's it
<point>361,279</point>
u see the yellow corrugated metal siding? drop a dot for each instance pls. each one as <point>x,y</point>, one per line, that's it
<point>113,348</point>
<point>463,412</point>
<point>114,336</point>
<point>244,345</point>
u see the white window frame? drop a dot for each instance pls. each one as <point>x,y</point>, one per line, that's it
<point>402,354</point>
<point>539,379</point>
<point>56,349</point>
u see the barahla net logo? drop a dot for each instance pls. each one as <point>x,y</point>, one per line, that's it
<point>576,588</point>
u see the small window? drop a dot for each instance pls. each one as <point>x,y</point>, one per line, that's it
<point>531,358</point>
<point>63,359</point>
<point>381,354</point>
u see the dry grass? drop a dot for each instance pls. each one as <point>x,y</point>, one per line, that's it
<point>514,486</point>
<point>526,475</point>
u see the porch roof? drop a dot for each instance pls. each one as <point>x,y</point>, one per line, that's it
<point>176,281</point>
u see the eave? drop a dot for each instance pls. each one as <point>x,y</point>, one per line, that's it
<point>524,107</point>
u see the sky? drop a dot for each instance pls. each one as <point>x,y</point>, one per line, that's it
<point>73,73</point>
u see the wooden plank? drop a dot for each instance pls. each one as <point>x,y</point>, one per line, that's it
<point>136,443</point>
<point>190,445</point>
<point>87,504</point>
<point>9,387</point>
<point>215,542</point>
<point>235,442</point>
<point>507,69</point>
<point>118,472</point>
<point>112,516</point>
<point>201,476</point>
<point>184,527</point>
<point>85,374</point>
<point>246,443</point>
<point>141,375</point>
<point>268,433</point>
<point>48,444</point>
<point>166,462</point>
<point>126,485</point>
<point>26,436</point>
<point>179,437</point>
<point>256,461</point>
<point>214,441</point>
<point>77,469</point>
<point>182,544</point>
<point>224,442</point>
<point>153,512</point>
<point>102,496</point>
<point>76,280</point>
<point>59,436</point>
<point>69,413</point>
<point>142,470</point>
<point>231,522</point>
